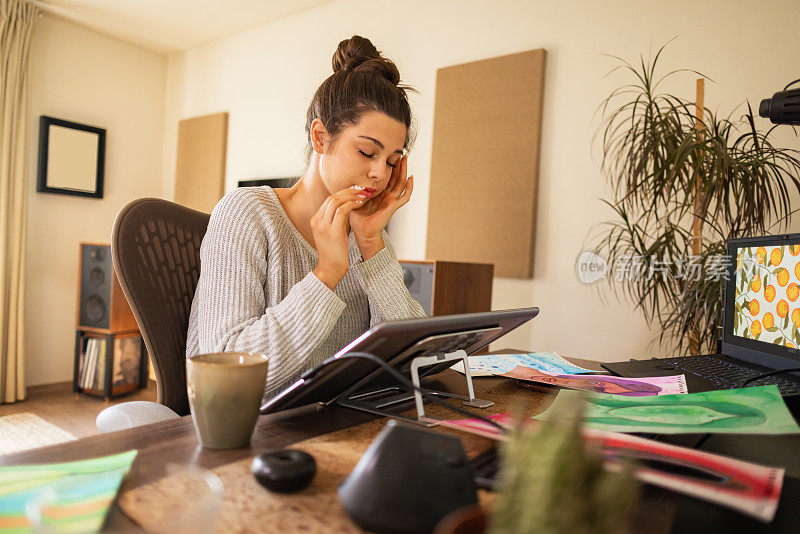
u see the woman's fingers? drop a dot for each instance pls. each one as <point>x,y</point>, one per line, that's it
<point>338,199</point>
<point>342,213</point>
<point>319,216</point>
<point>406,196</point>
<point>398,180</point>
<point>402,180</point>
<point>392,184</point>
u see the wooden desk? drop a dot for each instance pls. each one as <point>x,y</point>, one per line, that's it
<point>175,441</point>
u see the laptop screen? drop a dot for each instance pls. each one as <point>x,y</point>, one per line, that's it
<point>762,300</point>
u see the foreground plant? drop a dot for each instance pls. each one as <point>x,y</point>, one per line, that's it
<point>550,482</point>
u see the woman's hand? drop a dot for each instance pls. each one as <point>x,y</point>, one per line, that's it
<point>369,220</point>
<point>329,226</point>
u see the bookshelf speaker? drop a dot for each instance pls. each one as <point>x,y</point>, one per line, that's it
<point>448,287</point>
<point>101,304</point>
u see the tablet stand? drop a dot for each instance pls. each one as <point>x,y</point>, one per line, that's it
<point>424,361</point>
<point>376,400</point>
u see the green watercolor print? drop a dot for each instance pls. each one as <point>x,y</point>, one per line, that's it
<point>688,415</point>
<point>751,410</point>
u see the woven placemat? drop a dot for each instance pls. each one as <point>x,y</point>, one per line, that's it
<point>248,507</point>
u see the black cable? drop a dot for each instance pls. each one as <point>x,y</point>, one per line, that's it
<point>700,441</point>
<point>427,392</point>
<point>788,85</point>
<point>771,373</point>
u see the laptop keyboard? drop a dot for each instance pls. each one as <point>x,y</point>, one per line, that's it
<point>728,375</point>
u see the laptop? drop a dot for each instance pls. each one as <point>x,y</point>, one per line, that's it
<point>760,324</point>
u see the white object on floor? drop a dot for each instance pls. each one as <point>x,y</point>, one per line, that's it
<point>132,414</point>
<point>23,431</point>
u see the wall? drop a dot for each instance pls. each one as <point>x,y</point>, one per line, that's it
<point>266,76</point>
<point>84,76</point>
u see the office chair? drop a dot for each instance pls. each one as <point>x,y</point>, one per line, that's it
<point>155,248</point>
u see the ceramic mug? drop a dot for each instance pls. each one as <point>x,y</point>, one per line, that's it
<point>225,391</point>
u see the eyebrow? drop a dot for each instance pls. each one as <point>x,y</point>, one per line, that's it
<point>380,144</point>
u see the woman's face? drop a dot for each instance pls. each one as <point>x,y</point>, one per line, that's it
<point>364,154</point>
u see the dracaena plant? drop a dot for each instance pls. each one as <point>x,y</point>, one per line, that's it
<point>551,482</point>
<point>683,181</point>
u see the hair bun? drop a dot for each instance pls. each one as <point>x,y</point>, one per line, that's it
<point>358,54</point>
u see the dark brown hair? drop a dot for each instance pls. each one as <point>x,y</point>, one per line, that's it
<point>362,80</point>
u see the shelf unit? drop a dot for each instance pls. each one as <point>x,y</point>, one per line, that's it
<point>107,389</point>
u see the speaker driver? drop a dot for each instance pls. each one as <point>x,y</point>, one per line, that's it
<point>95,308</point>
<point>97,276</point>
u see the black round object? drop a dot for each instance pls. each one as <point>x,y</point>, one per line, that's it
<point>97,276</point>
<point>284,471</point>
<point>95,308</point>
<point>763,108</point>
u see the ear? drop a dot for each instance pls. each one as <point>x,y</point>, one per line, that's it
<point>319,136</point>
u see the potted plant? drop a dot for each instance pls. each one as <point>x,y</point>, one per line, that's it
<point>684,180</point>
<point>551,482</point>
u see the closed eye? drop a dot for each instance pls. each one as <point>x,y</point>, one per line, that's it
<point>370,156</point>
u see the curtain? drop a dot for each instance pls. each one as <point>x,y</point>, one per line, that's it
<point>16,24</point>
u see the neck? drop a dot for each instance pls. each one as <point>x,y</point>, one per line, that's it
<point>309,193</point>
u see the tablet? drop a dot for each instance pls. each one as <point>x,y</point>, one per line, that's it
<point>397,343</point>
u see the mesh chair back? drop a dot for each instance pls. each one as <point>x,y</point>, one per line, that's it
<point>155,247</point>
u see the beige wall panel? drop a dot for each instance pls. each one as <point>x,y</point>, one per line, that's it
<point>485,163</point>
<point>200,168</point>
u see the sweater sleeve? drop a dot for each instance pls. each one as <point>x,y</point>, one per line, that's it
<point>382,280</point>
<point>232,313</point>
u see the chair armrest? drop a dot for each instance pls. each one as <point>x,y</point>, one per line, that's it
<point>132,414</point>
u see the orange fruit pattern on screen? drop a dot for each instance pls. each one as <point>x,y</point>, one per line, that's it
<point>783,277</point>
<point>768,301</point>
<point>776,256</point>
<point>755,329</point>
<point>783,308</point>
<point>769,293</point>
<point>792,291</point>
<point>755,284</point>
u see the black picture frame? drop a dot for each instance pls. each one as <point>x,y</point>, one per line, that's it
<point>54,162</point>
<point>272,182</point>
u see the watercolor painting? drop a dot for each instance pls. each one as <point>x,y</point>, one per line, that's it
<point>85,490</point>
<point>495,364</point>
<point>615,385</point>
<point>753,410</point>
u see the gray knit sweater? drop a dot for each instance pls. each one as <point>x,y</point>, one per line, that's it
<point>257,291</point>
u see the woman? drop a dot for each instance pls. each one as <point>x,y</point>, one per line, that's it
<point>298,273</point>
